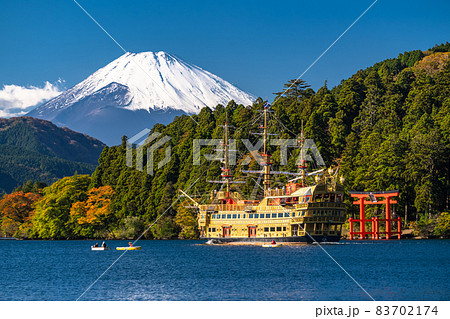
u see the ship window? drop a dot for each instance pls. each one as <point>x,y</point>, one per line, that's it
<point>239,215</point>
<point>256,215</point>
<point>322,213</point>
<point>284,228</point>
<point>209,229</point>
<point>286,214</point>
<point>228,216</point>
<point>308,198</point>
<point>278,228</point>
<point>280,214</point>
<point>274,215</point>
<point>234,216</point>
<point>293,214</point>
<point>250,215</point>
<point>224,216</point>
<point>213,230</point>
<point>267,215</point>
<point>266,229</point>
<point>272,228</point>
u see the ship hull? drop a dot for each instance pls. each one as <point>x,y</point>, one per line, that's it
<point>293,239</point>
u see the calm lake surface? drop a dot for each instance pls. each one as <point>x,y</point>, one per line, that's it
<point>188,270</point>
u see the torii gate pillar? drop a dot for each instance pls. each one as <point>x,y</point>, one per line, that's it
<point>378,198</point>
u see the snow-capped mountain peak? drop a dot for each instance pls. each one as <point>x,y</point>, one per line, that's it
<point>138,89</point>
<point>158,81</point>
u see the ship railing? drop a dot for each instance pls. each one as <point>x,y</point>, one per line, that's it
<point>223,207</point>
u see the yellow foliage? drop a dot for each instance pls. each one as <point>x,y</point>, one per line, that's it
<point>96,208</point>
<point>432,63</point>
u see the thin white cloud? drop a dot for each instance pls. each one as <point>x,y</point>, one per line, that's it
<point>18,100</point>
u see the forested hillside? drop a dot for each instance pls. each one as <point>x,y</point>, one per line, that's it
<point>386,127</point>
<point>34,149</point>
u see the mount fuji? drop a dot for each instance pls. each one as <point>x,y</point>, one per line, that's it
<point>136,91</point>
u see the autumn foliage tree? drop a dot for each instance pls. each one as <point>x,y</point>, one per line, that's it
<point>51,219</point>
<point>90,218</point>
<point>16,211</point>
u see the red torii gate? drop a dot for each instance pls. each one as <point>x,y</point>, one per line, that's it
<point>368,198</point>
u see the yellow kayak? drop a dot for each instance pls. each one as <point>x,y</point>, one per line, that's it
<point>129,248</point>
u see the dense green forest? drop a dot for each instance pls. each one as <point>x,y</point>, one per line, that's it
<point>386,127</point>
<point>35,149</point>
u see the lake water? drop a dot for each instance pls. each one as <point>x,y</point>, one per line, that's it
<point>187,270</point>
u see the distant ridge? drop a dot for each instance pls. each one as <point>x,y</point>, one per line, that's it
<point>35,149</point>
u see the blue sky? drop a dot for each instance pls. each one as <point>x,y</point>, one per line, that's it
<point>256,45</point>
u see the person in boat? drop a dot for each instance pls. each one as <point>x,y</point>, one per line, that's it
<point>273,242</point>
<point>130,244</point>
<point>96,245</point>
<point>104,245</point>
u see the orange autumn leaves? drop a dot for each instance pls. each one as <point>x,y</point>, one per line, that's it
<point>16,212</point>
<point>95,209</point>
<point>66,209</point>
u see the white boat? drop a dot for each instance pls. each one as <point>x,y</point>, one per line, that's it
<point>271,245</point>
<point>100,248</point>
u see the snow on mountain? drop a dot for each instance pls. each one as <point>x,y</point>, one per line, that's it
<point>135,90</point>
<point>157,81</point>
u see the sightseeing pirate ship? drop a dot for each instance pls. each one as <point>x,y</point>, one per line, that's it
<point>302,211</point>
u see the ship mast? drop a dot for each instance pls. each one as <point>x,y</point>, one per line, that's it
<point>302,165</point>
<point>266,155</point>
<point>227,177</point>
<point>226,170</point>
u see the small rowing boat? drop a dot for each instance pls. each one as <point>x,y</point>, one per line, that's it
<point>129,248</point>
<point>100,248</point>
<point>271,245</point>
